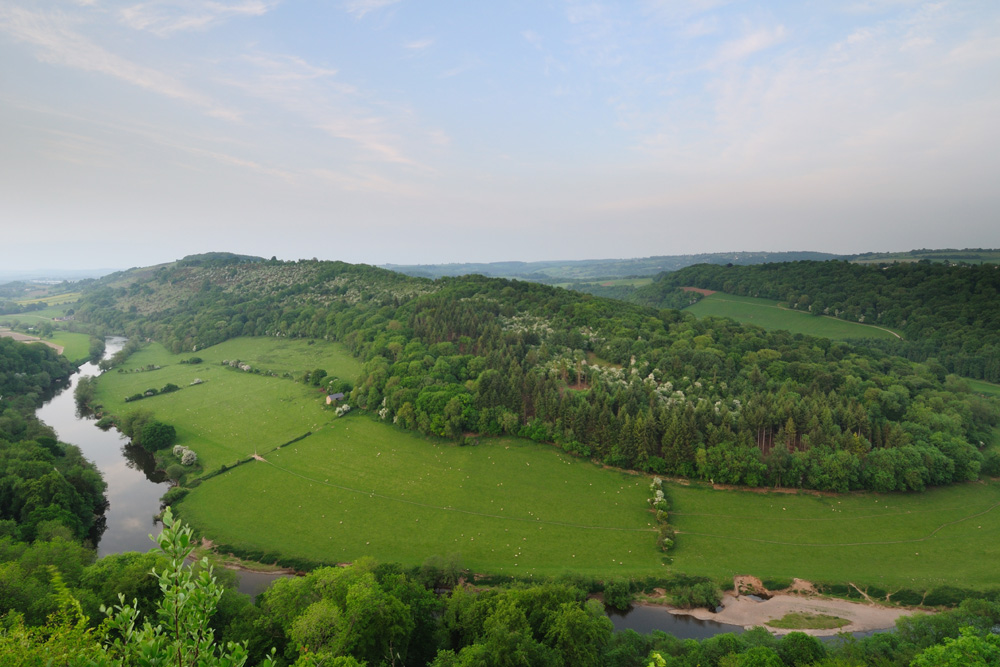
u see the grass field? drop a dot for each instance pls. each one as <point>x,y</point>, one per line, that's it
<point>54,299</point>
<point>981,387</point>
<point>76,346</point>
<point>232,414</point>
<point>767,314</point>
<point>362,488</point>
<point>940,537</point>
<point>46,314</point>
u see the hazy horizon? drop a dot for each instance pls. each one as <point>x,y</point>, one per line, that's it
<point>136,132</point>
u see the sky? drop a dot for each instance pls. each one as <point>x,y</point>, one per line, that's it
<point>395,131</point>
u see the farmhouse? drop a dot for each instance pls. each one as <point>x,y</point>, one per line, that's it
<point>333,398</point>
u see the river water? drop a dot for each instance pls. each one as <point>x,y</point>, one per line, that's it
<point>135,488</point>
<point>133,493</point>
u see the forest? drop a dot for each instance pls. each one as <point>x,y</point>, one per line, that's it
<point>633,386</point>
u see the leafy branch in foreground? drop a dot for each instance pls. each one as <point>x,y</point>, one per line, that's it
<point>182,635</point>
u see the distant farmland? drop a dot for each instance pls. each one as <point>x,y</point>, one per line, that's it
<point>769,315</point>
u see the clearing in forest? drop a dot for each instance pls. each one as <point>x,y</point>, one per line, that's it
<point>769,315</point>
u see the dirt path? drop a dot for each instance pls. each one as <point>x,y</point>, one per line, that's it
<point>7,333</point>
<point>749,613</point>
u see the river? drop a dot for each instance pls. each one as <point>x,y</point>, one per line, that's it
<point>134,491</point>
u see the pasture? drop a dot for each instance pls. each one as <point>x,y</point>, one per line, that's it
<point>982,387</point>
<point>231,413</point>
<point>944,536</point>
<point>76,346</point>
<point>60,299</point>
<point>769,315</point>
<point>363,488</point>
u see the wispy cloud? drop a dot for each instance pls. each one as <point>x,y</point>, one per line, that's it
<point>361,7</point>
<point>419,44</point>
<point>58,43</point>
<point>163,17</point>
<point>746,46</point>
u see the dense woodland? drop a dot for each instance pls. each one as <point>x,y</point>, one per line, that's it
<point>948,314</point>
<point>46,487</point>
<point>633,386</point>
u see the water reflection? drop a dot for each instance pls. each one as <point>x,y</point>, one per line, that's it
<point>644,619</point>
<point>134,499</point>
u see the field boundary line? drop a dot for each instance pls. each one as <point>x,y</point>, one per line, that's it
<point>846,544</point>
<point>373,494</point>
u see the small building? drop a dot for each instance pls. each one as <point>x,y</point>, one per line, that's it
<point>333,398</point>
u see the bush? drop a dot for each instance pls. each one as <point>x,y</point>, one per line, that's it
<point>618,594</point>
<point>175,472</point>
<point>189,458</point>
<point>156,435</point>
<point>174,495</point>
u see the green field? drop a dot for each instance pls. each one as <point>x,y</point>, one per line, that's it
<point>46,314</point>
<point>769,315</point>
<point>981,387</point>
<point>54,299</point>
<point>943,536</point>
<point>76,346</point>
<point>232,413</point>
<point>362,488</point>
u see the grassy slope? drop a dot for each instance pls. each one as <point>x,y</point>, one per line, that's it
<point>76,346</point>
<point>233,413</point>
<point>767,314</point>
<point>869,539</point>
<point>364,488</point>
<point>982,387</point>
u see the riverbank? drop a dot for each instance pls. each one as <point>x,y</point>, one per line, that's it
<point>745,611</point>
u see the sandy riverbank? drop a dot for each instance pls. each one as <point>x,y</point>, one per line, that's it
<point>744,611</point>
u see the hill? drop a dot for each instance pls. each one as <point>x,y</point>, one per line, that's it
<point>629,385</point>
<point>590,269</point>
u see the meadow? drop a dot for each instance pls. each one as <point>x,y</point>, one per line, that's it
<point>231,414</point>
<point>76,346</point>
<point>941,537</point>
<point>362,488</point>
<point>769,315</point>
<point>54,299</point>
<point>981,387</point>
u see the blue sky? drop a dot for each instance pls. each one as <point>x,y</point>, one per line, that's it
<point>400,131</point>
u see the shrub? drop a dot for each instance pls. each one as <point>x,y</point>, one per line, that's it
<point>618,594</point>
<point>174,495</point>
<point>188,458</point>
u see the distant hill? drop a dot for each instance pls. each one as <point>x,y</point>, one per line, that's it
<point>949,255</point>
<point>590,269</point>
